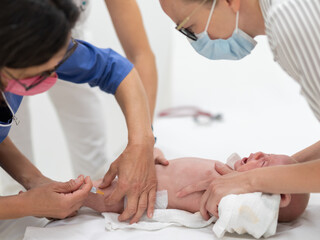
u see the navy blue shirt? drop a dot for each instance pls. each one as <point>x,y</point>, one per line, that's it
<point>103,68</point>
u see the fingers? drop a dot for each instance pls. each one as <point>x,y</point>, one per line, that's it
<point>81,194</point>
<point>109,176</point>
<point>151,202</point>
<point>203,205</point>
<point>197,187</point>
<point>213,206</point>
<point>222,168</point>
<point>78,197</point>
<point>161,160</point>
<point>73,214</point>
<point>70,186</point>
<point>130,209</point>
<point>142,206</point>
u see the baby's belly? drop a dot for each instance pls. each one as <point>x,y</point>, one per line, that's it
<point>181,173</point>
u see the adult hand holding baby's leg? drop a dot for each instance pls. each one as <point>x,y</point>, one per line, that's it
<point>57,199</point>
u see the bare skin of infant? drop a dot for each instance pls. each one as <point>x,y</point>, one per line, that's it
<point>183,172</point>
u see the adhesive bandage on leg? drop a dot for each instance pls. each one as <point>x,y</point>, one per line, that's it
<point>161,200</point>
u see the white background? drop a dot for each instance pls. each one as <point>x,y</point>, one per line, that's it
<point>261,106</point>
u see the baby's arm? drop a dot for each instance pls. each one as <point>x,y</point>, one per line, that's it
<point>96,201</point>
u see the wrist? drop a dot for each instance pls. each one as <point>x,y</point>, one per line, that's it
<point>251,181</point>
<point>145,139</point>
<point>35,181</point>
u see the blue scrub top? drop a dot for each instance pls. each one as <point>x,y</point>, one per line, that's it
<point>103,68</point>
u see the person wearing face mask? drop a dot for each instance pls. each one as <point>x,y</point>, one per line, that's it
<point>235,47</point>
<point>224,29</point>
<point>79,117</point>
<point>35,48</point>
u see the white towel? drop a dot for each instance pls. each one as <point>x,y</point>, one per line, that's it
<point>162,218</point>
<point>252,213</point>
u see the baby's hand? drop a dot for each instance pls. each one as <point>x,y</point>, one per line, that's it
<point>159,157</point>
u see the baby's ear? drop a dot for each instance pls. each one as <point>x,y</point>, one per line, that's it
<point>285,200</point>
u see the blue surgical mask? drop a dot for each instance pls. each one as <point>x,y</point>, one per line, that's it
<point>236,47</point>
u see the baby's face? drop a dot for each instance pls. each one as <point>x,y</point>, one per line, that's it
<point>259,159</point>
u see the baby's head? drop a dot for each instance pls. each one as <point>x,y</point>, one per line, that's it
<point>291,205</point>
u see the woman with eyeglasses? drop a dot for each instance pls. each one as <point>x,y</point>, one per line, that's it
<point>86,143</point>
<point>225,29</point>
<point>36,48</point>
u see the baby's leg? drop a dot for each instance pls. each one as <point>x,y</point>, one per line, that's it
<point>96,201</point>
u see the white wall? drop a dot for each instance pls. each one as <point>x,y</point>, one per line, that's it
<point>159,30</point>
<point>261,106</point>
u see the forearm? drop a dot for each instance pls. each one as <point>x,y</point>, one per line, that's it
<point>17,165</point>
<point>127,20</point>
<point>310,153</point>
<point>295,178</point>
<point>12,207</point>
<point>146,68</point>
<point>134,105</point>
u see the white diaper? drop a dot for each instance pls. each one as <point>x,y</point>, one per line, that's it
<point>162,218</point>
<point>161,200</point>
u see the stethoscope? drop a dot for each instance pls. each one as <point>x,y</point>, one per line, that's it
<point>14,118</point>
<point>199,116</point>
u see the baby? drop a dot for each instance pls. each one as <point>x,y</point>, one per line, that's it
<point>182,172</point>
